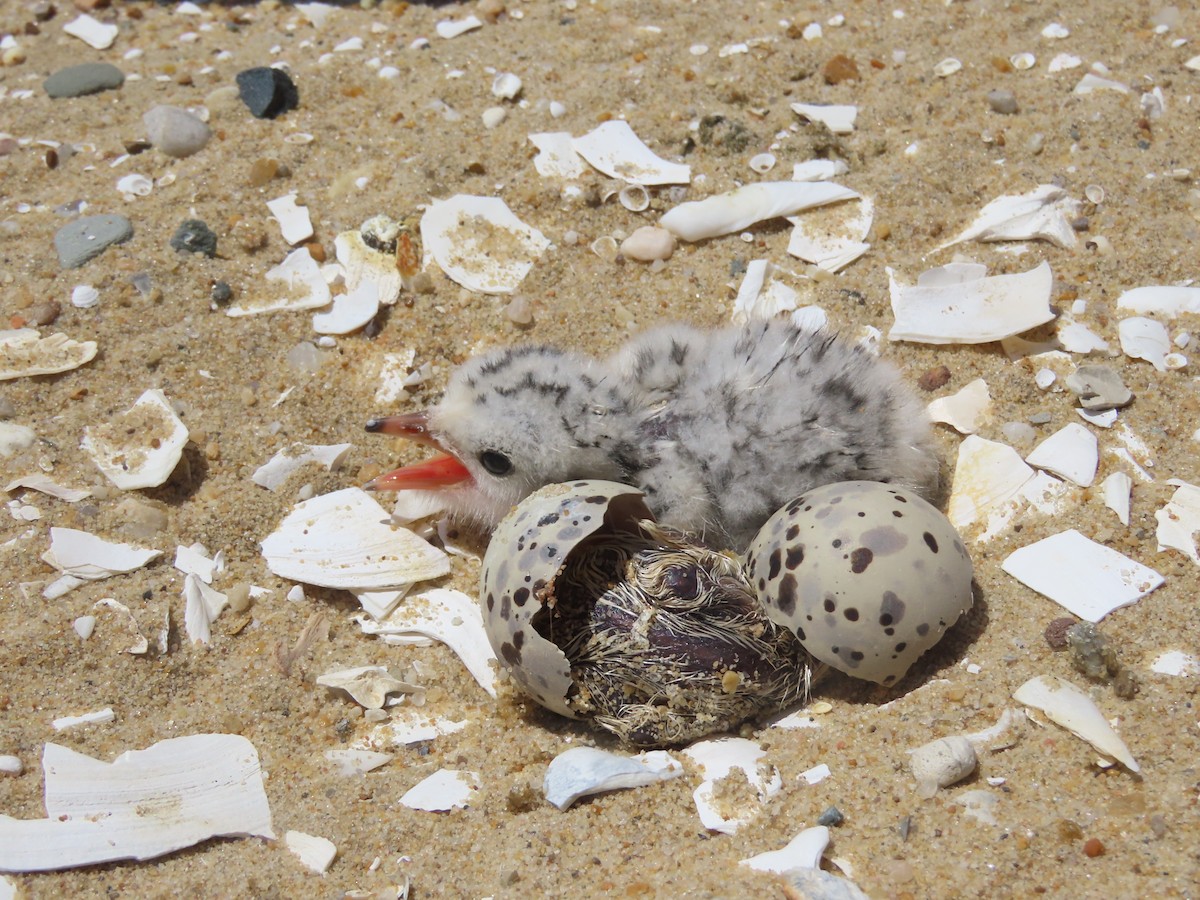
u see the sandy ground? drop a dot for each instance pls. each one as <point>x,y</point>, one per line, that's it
<point>600,60</point>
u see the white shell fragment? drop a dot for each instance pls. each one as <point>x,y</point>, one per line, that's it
<point>273,473</point>
<point>81,556</point>
<point>1086,578</point>
<point>1044,213</point>
<point>143,804</point>
<point>717,758</point>
<point>140,447</point>
<point>833,237</point>
<point>96,34</point>
<point>351,311</point>
<point>958,304</point>
<point>450,617</point>
<point>1116,497</point>
<point>202,606</point>
<point>963,411</point>
<point>444,790</point>
<point>342,540</point>
<point>837,118</point>
<point>582,771</point>
<point>41,483</point>
<point>294,221</point>
<point>1179,520</point>
<point>986,475</point>
<point>818,170</point>
<point>363,264</point>
<point>941,763</point>
<point>99,717</point>
<point>368,685</point>
<point>317,853</point>
<point>804,851</point>
<point>614,149</point>
<point>556,156</point>
<point>1166,300</point>
<point>23,351</point>
<point>1072,453</point>
<point>1143,338</point>
<point>304,284</point>
<point>1176,662</point>
<point>452,28</point>
<point>738,209</point>
<point>15,438</point>
<point>1074,710</point>
<point>479,243</point>
<point>353,761</point>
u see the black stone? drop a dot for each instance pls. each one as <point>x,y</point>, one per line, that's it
<point>221,292</point>
<point>194,236</point>
<point>267,92</point>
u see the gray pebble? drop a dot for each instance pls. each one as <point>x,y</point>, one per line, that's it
<point>7,409</point>
<point>193,236</point>
<point>1040,418</point>
<point>222,293</point>
<point>83,239</point>
<point>1099,387</point>
<point>1003,102</point>
<point>85,78</point>
<point>176,132</point>
<point>267,92</point>
<point>831,817</point>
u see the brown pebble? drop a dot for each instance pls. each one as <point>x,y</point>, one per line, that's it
<point>316,251</point>
<point>45,313</point>
<point>1093,848</point>
<point>1056,632</point>
<point>934,379</point>
<point>838,69</point>
<point>51,158</point>
<point>262,171</point>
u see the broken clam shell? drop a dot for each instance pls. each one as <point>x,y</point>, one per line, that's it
<point>600,614</point>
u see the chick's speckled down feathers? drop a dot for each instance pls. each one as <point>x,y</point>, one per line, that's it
<point>719,428</point>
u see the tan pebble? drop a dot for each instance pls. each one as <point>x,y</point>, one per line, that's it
<point>212,450</point>
<point>247,397</point>
<point>316,250</point>
<point>1093,848</point>
<point>263,171</point>
<point>838,69</point>
<point>45,313</point>
<point>238,597</point>
<point>648,243</point>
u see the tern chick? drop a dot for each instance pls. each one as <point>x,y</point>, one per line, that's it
<point>719,428</point>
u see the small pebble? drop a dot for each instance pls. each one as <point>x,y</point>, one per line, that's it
<point>84,79</point>
<point>648,243</point>
<point>1091,653</point>
<point>221,292</point>
<point>86,238</point>
<point>193,236</point>
<point>84,626</point>
<point>139,519</point>
<point>1093,848</point>
<point>838,69</point>
<point>831,817</point>
<point>1040,418</point>
<point>1098,387</point>
<point>933,379</point>
<point>493,116</point>
<point>176,132</point>
<point>267,92</point>
<point>1003,102</point>
<point>519,311</point>
<point>238,597</point>
<point>11,765</point>
<point>1056,632</point>
<point>44,313</point>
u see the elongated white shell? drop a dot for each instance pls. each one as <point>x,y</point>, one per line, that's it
<point>1074,710</point>
<point>525,553</point>
<point>739,209</point>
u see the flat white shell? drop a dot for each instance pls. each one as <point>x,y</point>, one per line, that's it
<point>86,556</point>
<point>1072,453</point>
<point>23,351</point>
<point>452,618</point>
<point>738,209</point>
<point>368,685</point>
<point>1074,710</point>
<point>614,149</point>
<point>757,299</point>
<point>96,34</point>
<point>804,851</point>
<point>1143,338</point>
<point>986,475</point>
<point>98,717</point>
<point>1176,662</point>
<point>818,170</point>
<point>479,243</point>
<point>973,310</point>
<point>303,282</point>
<point>363,264</point>
<point>342,540</point>
<point>202,605</point>
<point>963,411</point>
<point>140,447</point>
<point>837,118</point>
<point>444,790</point>
<point>1116,497</point>
<point>582,771</point>
<point>833,237</point>
<point>717,757</point>
<point>293,219</point>
<point>317,853</point>
<point>1086,578</point>
<point>1179,520</point>
<point>351,311</point>
<point>199,786</point>
<point>1077,338</point>
<point>275,471</point>
<point>556,156</point>
<point>353,761</point>
<point>452,28</point>
<point>1163,299</point>
<point>1044,213</point>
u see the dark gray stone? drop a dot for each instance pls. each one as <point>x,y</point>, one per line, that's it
<point>85,78</point>
<point>193,236</point>
<point>83,239</point>
<point>267,92</point>
<point>222,293</point>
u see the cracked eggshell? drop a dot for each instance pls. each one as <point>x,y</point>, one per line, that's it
<point>480,243</point>
<point>526,552</point>
<point>614,149</point>
<point>140,447</point>
<point>868,576</point>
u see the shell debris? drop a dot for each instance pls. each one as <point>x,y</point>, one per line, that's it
<point>294,221</point>
<point>444,790</point>
<point>367,685</point>
<point>1044,213</point>
<point>81,556</point>
<point>614,149</point>
<point>199,786</point>
<point>1072,452</point>
<point>941,763</point>
<point>804,851</point>
<point>1179,520</point>
<point>1075,711</point>
<point>202,605</point>
<point>351,311</point>
<point>362,264</point>
<point>99,717</point>
<point>274,472</point>
<point>832,237</point>
<point>742,207</point>
<point>354,761</point>
<point>583,771</point>
<point>1086,578</point>
<point>1117,487</point>
<point>556,156</point>
<point>480,243</point>
<point>838,118</point>
<point>140,447</point>
<point>717,758</point>
<point>964,410</point>
<point>24,352</point>
<point>304,284</point>
<point>1166,300</point>
<point>1144,338</point>
<point>317,853</point>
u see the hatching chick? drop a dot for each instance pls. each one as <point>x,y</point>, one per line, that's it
<point>719,428</point>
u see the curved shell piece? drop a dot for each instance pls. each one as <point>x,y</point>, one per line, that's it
<point>526,552</point>
<point>867,575</point>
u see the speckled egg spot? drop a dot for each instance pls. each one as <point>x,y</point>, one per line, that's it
<point>851,614</point>
<point>860,558</point>
<point>786,597</point>
<point>930,541</point>
<point>885,540</point>
<point>830,603</point>
<point>776,561</point>
<point>521,596</point>
<point>795,556</point>
<point>792,533</point>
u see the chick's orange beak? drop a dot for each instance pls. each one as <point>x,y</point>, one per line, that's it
<point>441,471</point>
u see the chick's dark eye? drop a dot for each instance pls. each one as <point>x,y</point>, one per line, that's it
<point>682,581</point>
<point>495,462</point>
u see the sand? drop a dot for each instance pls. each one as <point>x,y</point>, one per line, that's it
<point>382,146</point>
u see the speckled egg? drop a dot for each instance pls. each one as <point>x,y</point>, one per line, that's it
<point>868,576</point>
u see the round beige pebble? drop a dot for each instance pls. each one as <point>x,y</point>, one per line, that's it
<point>648,243</point>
